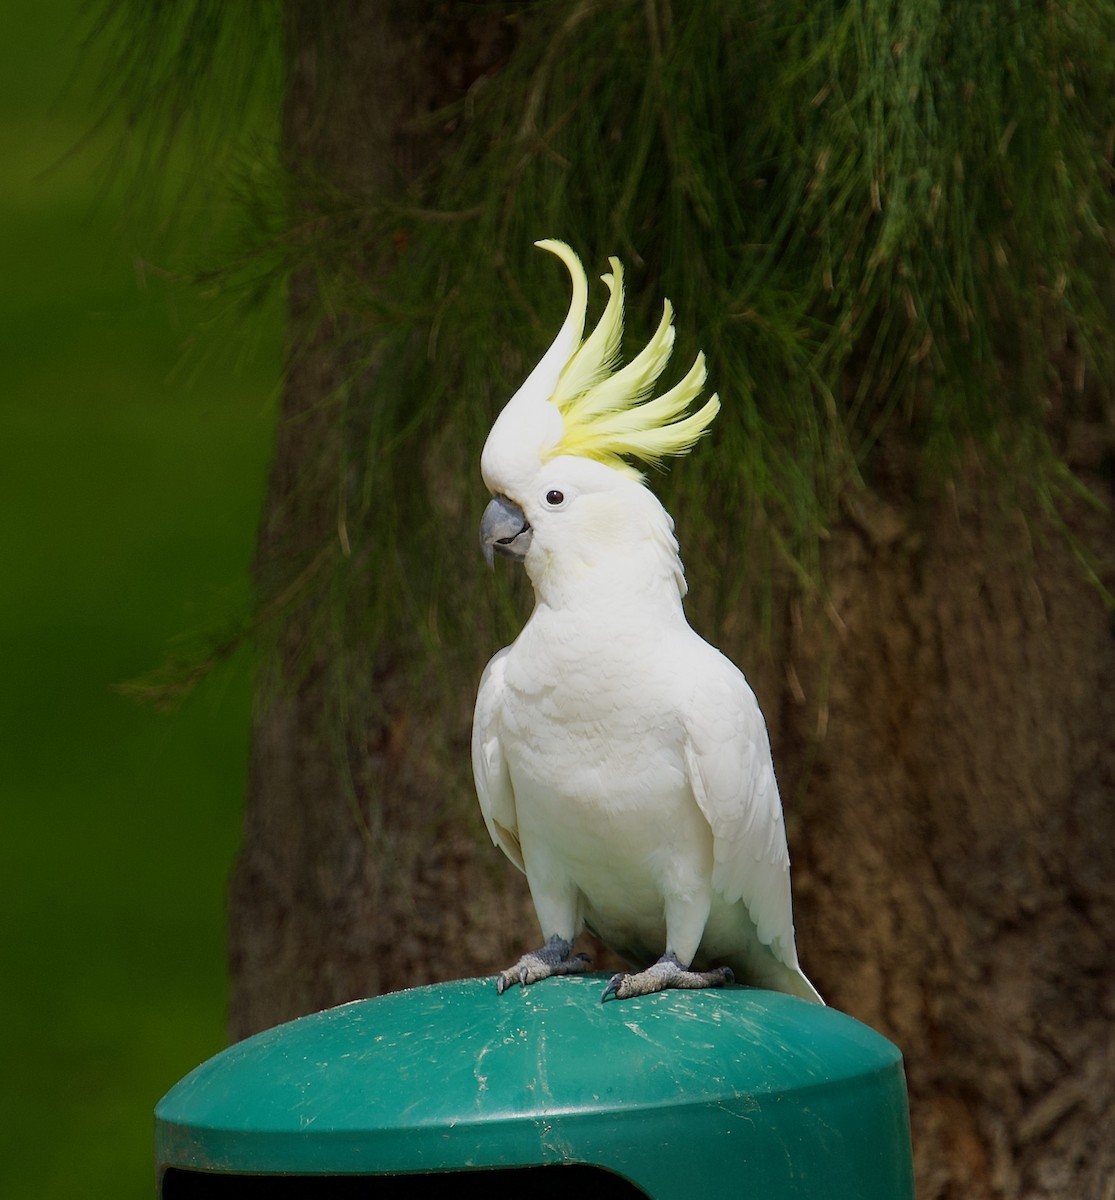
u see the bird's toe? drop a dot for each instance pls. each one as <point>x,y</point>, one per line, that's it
<point>552,959</point>
<point>667,972</point>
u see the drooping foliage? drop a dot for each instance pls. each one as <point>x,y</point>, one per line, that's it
<point>875,217</point>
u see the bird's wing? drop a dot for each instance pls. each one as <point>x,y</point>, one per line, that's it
<point>728,758</point>
<point>489,766</point>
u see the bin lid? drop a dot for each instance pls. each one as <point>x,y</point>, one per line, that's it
<point>667,1090</point>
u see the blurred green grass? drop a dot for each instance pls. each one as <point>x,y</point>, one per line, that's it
<point>131,473</point>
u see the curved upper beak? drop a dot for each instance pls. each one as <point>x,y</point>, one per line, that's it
<point>504,530</point>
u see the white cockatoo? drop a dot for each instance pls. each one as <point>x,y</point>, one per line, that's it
<point>621,761</point>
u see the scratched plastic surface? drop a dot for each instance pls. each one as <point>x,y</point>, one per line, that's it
<point>754,1091</point>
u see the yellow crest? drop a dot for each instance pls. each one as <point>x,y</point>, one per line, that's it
<point>606,410</point>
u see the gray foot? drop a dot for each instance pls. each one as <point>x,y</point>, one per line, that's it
<point>667,972</point>
<point>552,959</point>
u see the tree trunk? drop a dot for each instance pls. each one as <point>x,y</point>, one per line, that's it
<point>943,726</point>
<point>955,830</point>
<point>363,868</point>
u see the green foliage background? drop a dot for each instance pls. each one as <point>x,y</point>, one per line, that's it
<point>888,223</point>
<point>133,442</point>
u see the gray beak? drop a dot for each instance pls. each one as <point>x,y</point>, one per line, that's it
<point>504,530</point>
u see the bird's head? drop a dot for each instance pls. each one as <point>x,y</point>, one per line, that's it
<point>556,459</point>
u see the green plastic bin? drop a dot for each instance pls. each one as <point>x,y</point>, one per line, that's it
<point>748,1092</point>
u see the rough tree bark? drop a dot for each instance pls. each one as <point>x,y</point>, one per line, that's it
<point>956,831</point>
<point>943,724</point>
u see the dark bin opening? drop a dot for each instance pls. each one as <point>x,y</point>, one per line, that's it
<point>540,1183</point>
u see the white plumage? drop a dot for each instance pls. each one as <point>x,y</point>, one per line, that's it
<point>621,761</point>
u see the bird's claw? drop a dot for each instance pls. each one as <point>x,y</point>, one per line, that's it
<point>552,959</point>
<point>667,972</point>
<point>613,986</point>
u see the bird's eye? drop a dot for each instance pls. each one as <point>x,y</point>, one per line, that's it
<point>554,497</point>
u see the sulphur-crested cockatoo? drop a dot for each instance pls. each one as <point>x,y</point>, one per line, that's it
<point>621,762</point>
